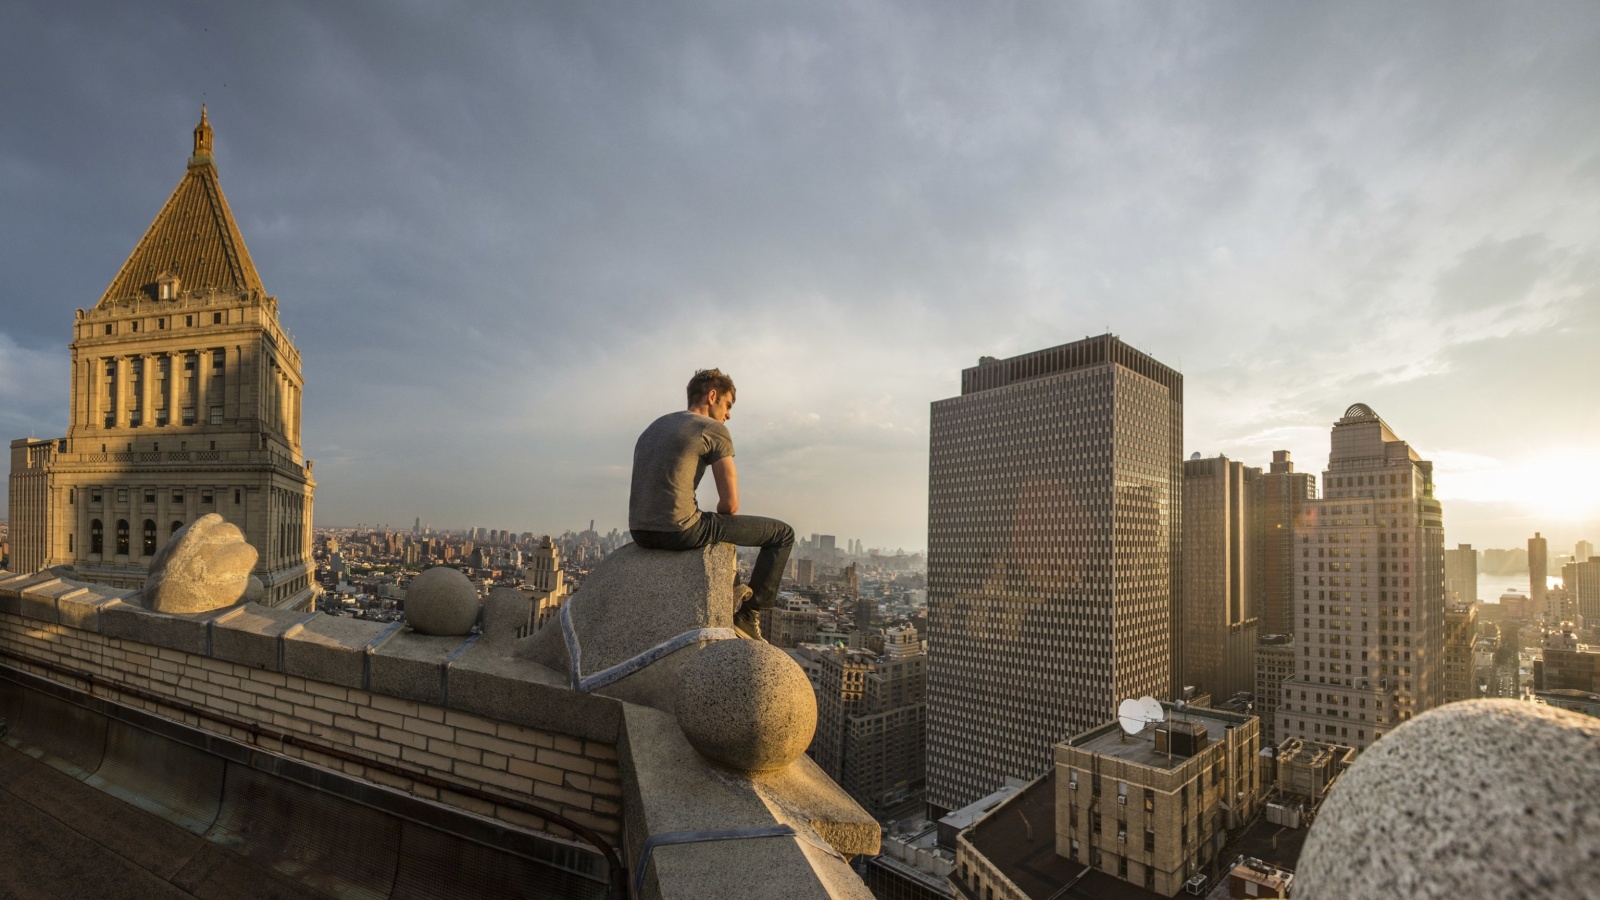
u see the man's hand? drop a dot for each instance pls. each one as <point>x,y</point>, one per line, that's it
<point>727,478</point>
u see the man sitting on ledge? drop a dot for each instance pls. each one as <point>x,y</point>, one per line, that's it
<point>668,462</point>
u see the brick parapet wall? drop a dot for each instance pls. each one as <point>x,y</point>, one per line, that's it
<point>560,754</point>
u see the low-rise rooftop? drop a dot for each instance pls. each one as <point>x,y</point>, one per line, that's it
<point>1112,741</point>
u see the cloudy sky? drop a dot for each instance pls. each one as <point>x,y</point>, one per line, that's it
<point>503,235</point>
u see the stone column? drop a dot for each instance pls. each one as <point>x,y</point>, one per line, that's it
<point>202,387</point>
<point>90,385</point>
<point>147,371</point>
<point>124,370</point>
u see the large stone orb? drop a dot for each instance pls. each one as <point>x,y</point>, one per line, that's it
<point>441,601</point>
<point>1481,798</point>
<point>747,705</point>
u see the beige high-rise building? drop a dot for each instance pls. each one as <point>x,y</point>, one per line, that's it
<point>1280,502</point>
<point>1461,574</point>
<point>1221,618</point>
<point>1371,605</point>
<point>186,398</point>
<point>1460,635</point>
<point>871,721</point>
<point>1581,578</point>
<point>1538,569</point>
<point>1053,556</point>
<point>1275,661</point>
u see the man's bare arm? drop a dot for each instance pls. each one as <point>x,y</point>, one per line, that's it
<point>727,478</point>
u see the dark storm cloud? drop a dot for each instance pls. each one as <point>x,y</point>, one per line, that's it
<point>502,234</point>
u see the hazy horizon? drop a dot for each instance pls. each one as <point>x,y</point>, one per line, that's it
<point>503,236</point>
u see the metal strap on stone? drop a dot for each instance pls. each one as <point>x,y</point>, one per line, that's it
<point>669,838</point>
<point>629,666</point>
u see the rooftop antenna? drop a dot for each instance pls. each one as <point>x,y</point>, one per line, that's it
<point>1136,715</point>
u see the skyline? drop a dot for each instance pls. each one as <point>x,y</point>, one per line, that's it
<point>486,234</point>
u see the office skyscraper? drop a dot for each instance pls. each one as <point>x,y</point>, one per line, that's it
<point>1221,619</point>
<point>1281,501</point>
<point>1371,605</point>
<point>185,401</point>
<point>1053,555</point>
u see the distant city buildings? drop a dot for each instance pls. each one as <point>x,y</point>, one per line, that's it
<point>1371,630</point>
<point>185,400</point>
<point>1461,574</point>
<point>792,622</point>
<point>1581,578</point>
<point>1538,569</point>
<point>1220,596</point>
<point>1053,556</point>
<point>871,719</point>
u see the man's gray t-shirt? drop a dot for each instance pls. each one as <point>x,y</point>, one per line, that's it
<point>668,462</point>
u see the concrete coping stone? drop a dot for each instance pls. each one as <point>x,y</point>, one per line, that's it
<point>81,609</point>
<point>483,680</point>
<point>332,649</point>
<point>39,599</point>
<point>412,666</point>
<point>13,591</point>
<point>252,634</point>
<point>668,788</point>
<point>131,621</point>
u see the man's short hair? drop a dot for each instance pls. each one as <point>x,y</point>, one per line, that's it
<point>707,380</point>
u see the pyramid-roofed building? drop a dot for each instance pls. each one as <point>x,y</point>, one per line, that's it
<point>186,396</point>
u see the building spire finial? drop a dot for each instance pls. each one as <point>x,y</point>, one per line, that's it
<point>202,139</point>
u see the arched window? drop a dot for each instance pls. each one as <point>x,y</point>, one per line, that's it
<point>149,538</point>
<point>122,537</point>
<point>174,530</point>
<point>97,537</point>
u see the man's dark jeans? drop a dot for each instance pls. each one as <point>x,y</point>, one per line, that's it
<point>775,539</point>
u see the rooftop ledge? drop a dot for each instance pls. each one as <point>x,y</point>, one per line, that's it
<point>459,721</point>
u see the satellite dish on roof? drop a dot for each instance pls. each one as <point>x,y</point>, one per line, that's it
<point>1135,715</point>
<point>1195,455</point>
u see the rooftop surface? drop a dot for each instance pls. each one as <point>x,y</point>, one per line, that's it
<point>1020,840</point>
<point>75,841</point>
<point>1109,740</point>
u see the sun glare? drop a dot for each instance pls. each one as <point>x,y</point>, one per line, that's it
<point>1558,486</point>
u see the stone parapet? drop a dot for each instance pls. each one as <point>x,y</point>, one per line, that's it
<point>457,711</point>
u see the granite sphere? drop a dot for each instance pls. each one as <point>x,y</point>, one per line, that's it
<point>1479,798</point>
<point>746,704</point>
<point>441,601</point>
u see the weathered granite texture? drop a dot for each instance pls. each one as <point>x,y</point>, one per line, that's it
<point>636,599</point>
<point>253,634</point>
<point>205,566</point>
<point>1481,798</point>
<point>747,705</point>
<point>441,601</point>
<point>506,611</point>
<point>670,788</point>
